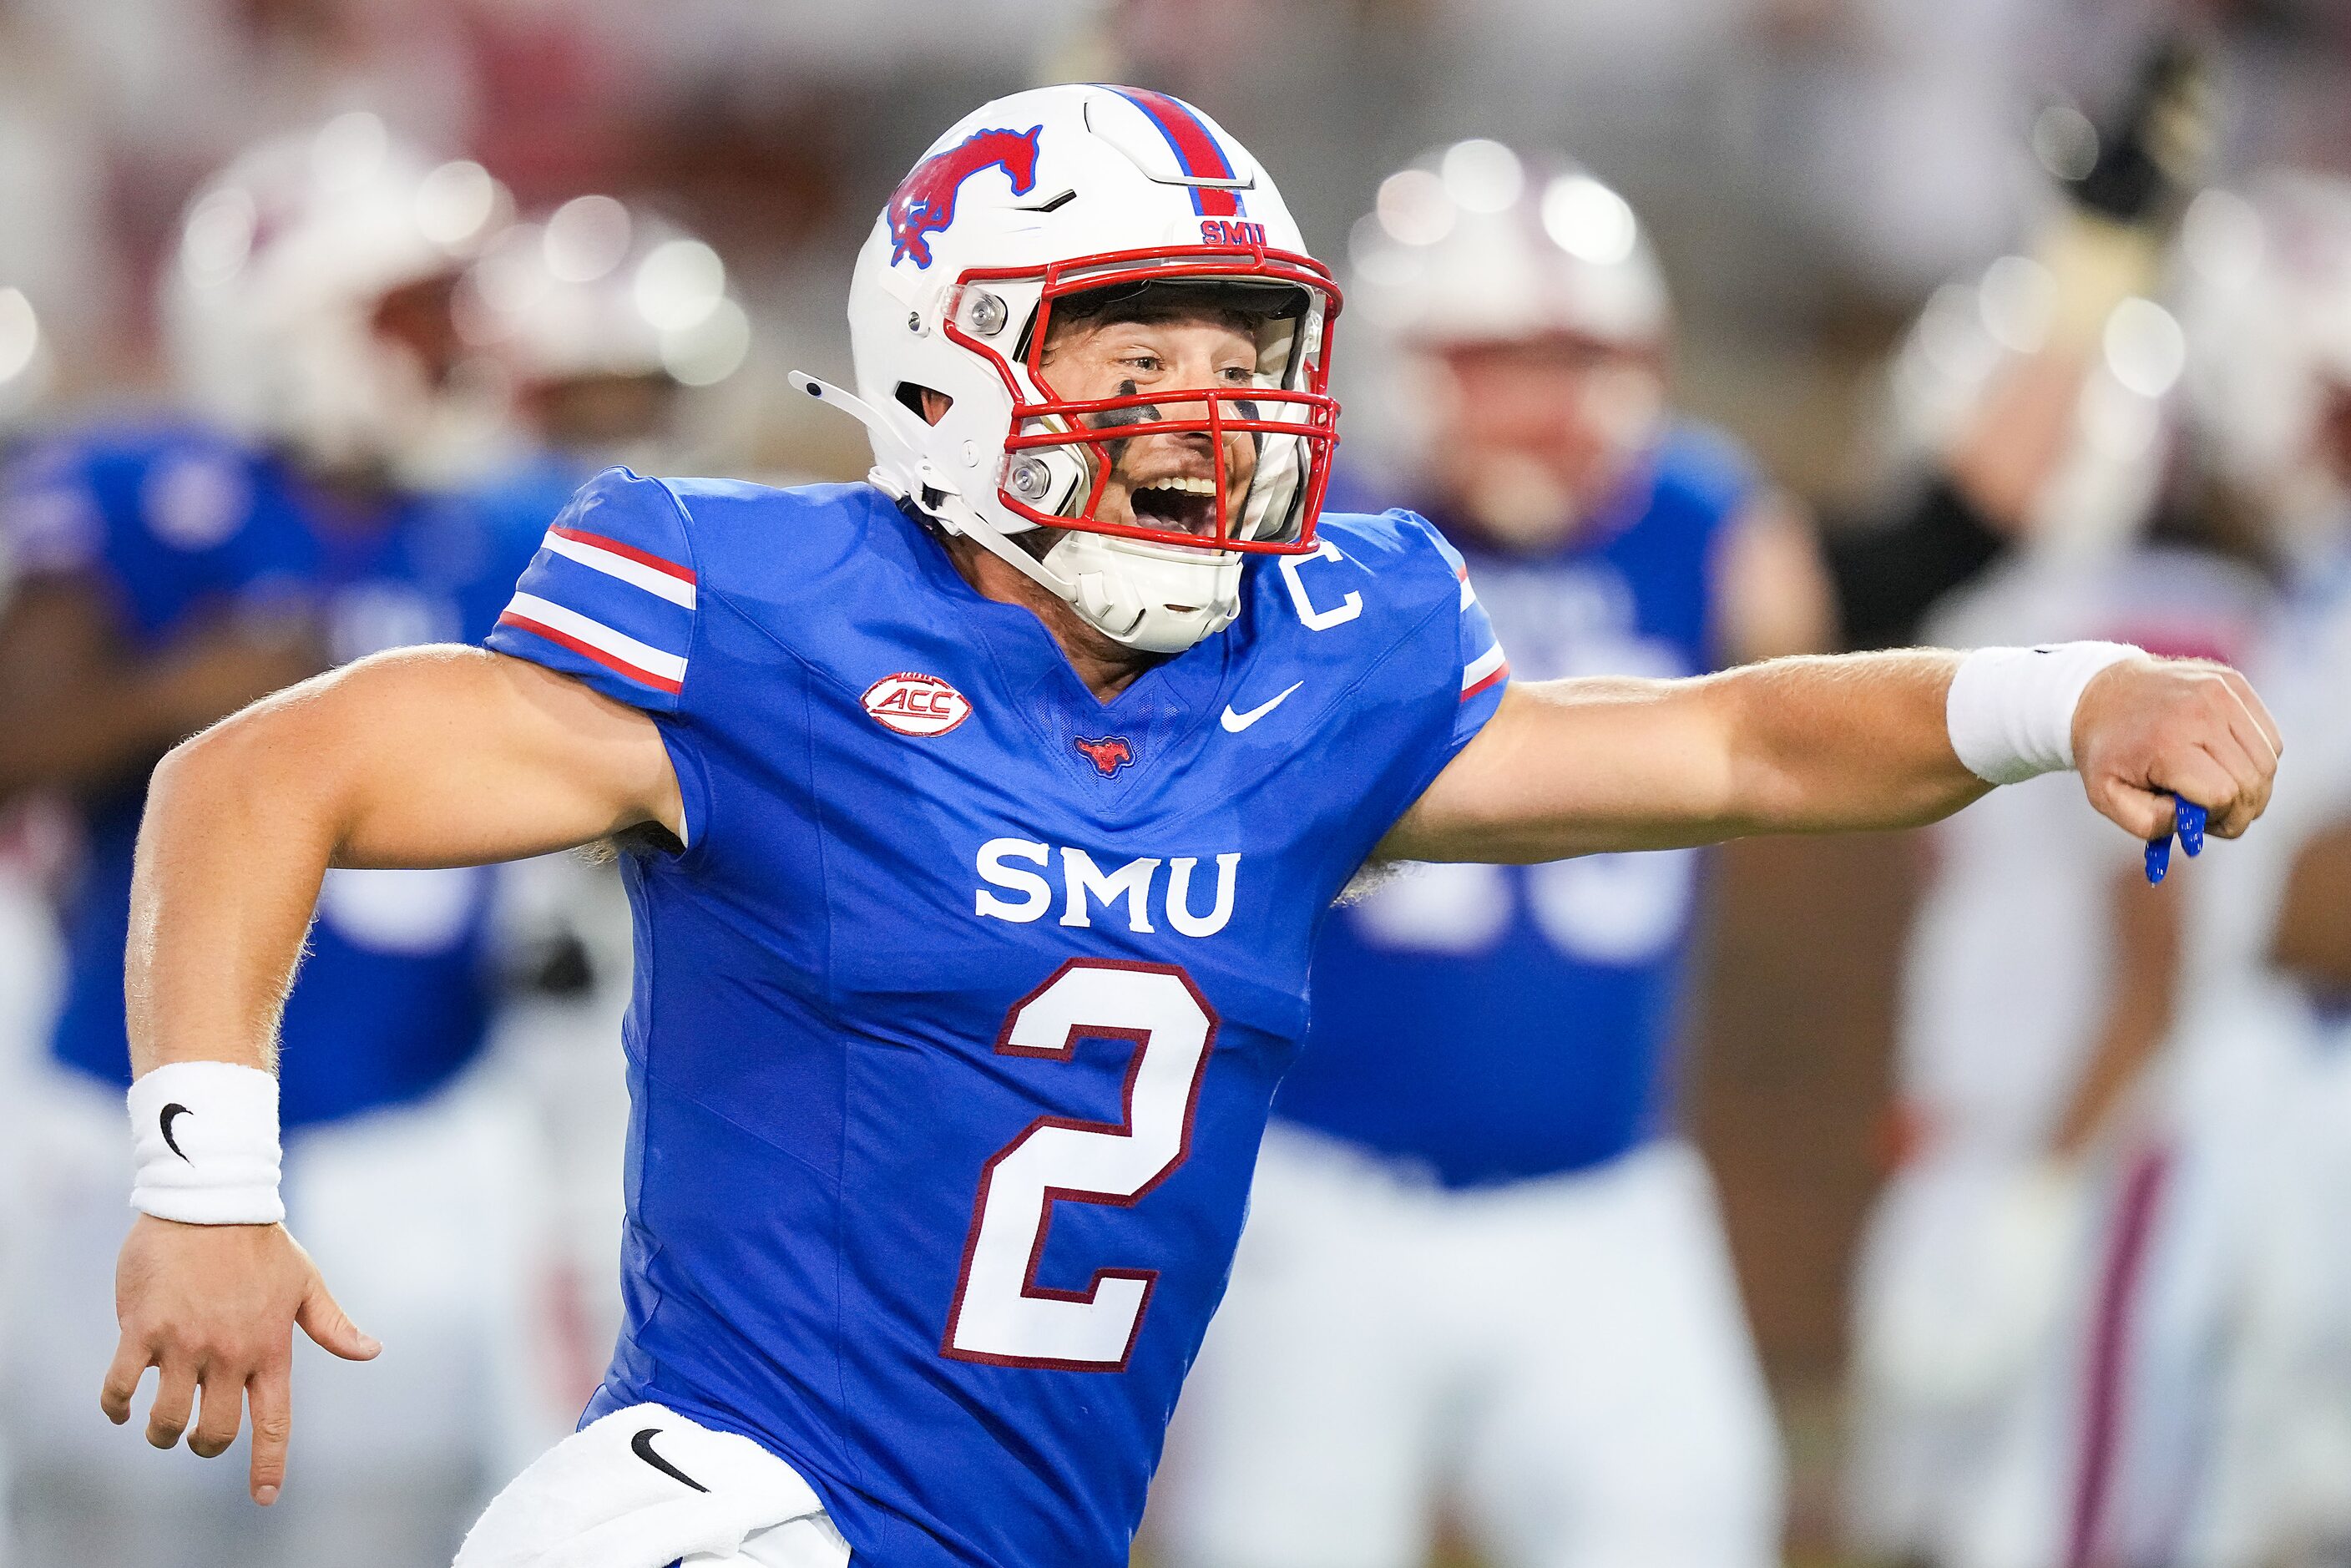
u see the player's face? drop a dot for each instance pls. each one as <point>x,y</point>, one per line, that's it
<point>421,317</point>
<point>1168,480</point>
<point>1533,436</point>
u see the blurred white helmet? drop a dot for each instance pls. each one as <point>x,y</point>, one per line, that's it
<point>595,291</point>
<point>270,303</point>
<point>594,288</point>
<point>1473,247</point>
<point>2267,303</point>
<point>1063,192</point>
<point>1472,243</point>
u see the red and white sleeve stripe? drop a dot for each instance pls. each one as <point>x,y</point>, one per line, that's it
<point>1488,669</point>
<point>590,639</point>
<point>639,568</point>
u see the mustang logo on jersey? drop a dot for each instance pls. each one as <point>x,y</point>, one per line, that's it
<point>915,703</point>
<point>1085,884</point>
<point>1111,754</point>
<point>925,203</point>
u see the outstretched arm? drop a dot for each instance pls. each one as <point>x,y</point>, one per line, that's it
<point>1815,745</point>
<point>431,756</point>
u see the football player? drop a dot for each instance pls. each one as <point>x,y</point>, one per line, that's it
<point>2022,1266</point>
<point>2015,1276</point>
<point>2267,1079</point>
<point>1484,1091</point>
<point>171,570</point>
<point>974,921</point>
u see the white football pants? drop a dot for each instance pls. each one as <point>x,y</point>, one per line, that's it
<point>646,1487</point>
<point>2081,1441</point>
<point>420,1219</point>
<point>1566,1357</point>
<point>2280,1488</point>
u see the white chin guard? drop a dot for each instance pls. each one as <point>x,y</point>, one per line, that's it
<point>1161,598</point>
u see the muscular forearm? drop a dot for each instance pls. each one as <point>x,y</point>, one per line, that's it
<point>1815,745</point>
<point>1800,745</point>
<point>429,757</point>
<point>1833,744</point>
<point>236,836</point>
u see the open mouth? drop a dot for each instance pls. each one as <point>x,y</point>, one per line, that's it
<point>1178,504</point>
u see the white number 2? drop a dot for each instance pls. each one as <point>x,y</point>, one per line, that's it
<point>1001,1315</point>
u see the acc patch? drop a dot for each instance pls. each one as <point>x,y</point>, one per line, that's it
<point>915,703</point>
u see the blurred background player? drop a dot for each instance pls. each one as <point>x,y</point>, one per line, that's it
<point>28,959</point>
<point>167,573</point>
<point>617,334</point>
<point>2266,1027</point>
<point>1481,1257</point>
<point>1814,168</point>
<point>2037,1287</point>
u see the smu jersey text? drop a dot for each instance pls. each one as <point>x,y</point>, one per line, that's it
<point>957,1017</point>
<point>1491,1023</point>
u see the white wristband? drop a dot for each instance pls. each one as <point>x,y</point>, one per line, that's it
<point>204,1138</point>
<point>2010,711</point>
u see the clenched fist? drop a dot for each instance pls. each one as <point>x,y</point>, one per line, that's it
<point>2147,729</point>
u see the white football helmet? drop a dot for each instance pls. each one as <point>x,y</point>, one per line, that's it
<point>2267,307</point>
<point>270,303</point>
<point>1063,192</point>
<point>594,290</point>
<point>1472,246</point>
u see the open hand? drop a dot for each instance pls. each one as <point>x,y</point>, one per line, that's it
<point>213,1307</point>
<point>2147,727</point>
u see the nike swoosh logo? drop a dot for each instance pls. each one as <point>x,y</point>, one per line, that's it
<point>1234,723</point>
<point>173,1110</point>
<point>641,1444</point>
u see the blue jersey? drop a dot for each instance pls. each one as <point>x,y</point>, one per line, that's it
<point>958,1016</point>
<point>175,527</point>
<point>1492,1023</point>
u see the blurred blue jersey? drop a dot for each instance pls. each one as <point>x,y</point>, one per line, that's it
<point>957,1017</point>
<point>1493,1023</point>
<point>175,526</point>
